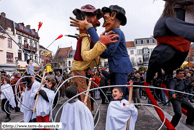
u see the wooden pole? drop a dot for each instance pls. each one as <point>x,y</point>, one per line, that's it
<point>130,92</point>
<point>38,91</point>
<point>130,99</point>
<point>86,97</point>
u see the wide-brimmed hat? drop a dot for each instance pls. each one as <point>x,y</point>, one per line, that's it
<point>89,9</point>
<point>120,13</point>
<point>48,53</point>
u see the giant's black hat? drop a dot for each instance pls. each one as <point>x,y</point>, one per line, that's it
<point>120,13</point>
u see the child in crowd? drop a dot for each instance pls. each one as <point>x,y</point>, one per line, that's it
<point>29,62</point>
<point>119,112</point>
<point>75,114</point>
<point>44,103</point>
<point>7,95</point>
<point>28,99</point>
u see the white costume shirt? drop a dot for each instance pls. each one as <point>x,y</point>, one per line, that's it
<point>7,93</point>
<point>76,116</point>
<point>43,108</point>
<point>118,115</point>
<point>28,100</point>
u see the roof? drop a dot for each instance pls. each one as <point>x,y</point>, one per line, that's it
<point>26,30</point>
<point>130,44</point>
<point>63,52</point>
<point>5,23</point>
<point>40,46</point>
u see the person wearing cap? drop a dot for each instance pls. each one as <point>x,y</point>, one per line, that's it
<point>118,59</point>
<point>47,60</point>
<point>88,52</point>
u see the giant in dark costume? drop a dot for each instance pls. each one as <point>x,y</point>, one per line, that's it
<point>173,35</point>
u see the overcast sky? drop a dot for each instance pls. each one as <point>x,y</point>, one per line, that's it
<point>141,17</point>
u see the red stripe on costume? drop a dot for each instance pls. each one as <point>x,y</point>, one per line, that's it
<point>177,42</point>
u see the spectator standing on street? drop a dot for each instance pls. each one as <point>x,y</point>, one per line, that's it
<point>136,81</point>
<point>7,96</point>
<point>13,82</point>
<point>179,101</point>
<point>188,80</point>
<point>29,62</point>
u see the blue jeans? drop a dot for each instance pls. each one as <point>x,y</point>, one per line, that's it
<point>164,97</point>
<point>189,96</point>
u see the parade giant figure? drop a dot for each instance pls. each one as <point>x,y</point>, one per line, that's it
<point>87,54</point>
<point>174,32</point>
<point>118,59</point>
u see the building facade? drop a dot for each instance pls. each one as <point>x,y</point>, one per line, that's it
<point>7,46</point>
<point>28,40</point>
<point>61,56</point>
<point>144,48</point>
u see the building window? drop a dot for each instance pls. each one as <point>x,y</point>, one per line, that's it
<point>25,56</point>
<point>139,51</point>
<point>33,32</point>
<point>21,27</point>
<point>19,39</point>
<point>144,42</point>
<point>31,43</point>
<point>9,43</point>
<point>138,41</point>
<point>192,52</point>
<point>25,41</point>
<point>140,59</point>
<point>192,58</point>
<point>145,50</point>
<point>36,58</point>
<point>150,41</point>
<point>132,52</point>
<point>69,63</point>
<point>19,55</point>
<point>35,44</point>
<point>9,57</point>
<point>105,64</point>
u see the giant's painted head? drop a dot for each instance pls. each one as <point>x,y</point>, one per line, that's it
<point>90,12</point>
<point>172,5</point>
<point>113,16</point>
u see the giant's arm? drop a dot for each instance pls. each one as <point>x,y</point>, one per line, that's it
<point>181,28</point>
<point>90,54</point>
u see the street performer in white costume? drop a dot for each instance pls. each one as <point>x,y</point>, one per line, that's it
<point>7,96</point>
<point>75,114</point>
<point>28,99</point>
<point>44,103</point>
<point>119,112</point>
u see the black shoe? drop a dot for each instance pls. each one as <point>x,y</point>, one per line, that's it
<point>192,124</point>
<point>7,119</point>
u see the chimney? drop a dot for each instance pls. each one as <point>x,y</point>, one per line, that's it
<point>28,26</point>
<point>3,14</point>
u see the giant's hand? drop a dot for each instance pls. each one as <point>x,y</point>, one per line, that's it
<point>81,24</point>
<point>108,38</point>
